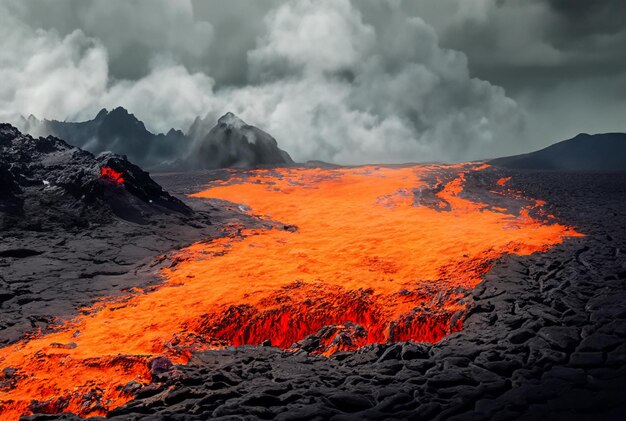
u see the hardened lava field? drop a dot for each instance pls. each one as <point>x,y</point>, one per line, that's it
<point>372,254</point>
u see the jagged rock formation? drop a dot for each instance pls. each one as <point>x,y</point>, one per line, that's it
<point>600,152</point>
<point>231,143</point>
<point>118,131</point>
<point>46,182</point>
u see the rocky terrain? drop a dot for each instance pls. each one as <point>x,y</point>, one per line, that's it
<point>75,227</point>
<point>544,338</point>
<point>48,182</point>
<point>544,335</point>
<point>206,145</point>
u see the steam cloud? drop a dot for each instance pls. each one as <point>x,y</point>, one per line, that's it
<point>325,82</point>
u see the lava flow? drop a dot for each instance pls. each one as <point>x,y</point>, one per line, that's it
<point>368,255</point>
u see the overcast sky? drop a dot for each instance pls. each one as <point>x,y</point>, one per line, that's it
<point>337,80</point>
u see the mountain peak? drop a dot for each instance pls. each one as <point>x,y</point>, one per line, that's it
<point>101,114</point>
<point>120,111</point>
<point>233,143</point>
<point>120,115</point>
<point>230,119</point>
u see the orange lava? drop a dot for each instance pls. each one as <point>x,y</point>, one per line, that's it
<point>111,174</point>
<point>503,181</point>
<point>359,255</point>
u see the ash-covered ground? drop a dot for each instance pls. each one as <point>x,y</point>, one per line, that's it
<point>544,338</point>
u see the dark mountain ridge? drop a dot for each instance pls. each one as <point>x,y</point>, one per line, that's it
<point>584,152</point>
<point>233,143</point>
<point>117,131</point>
<point>230,143</point>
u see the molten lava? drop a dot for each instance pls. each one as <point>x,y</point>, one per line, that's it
<point>361,259</point>
<point>110,174</point>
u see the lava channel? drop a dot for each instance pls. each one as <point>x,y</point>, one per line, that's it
<point>359,256</point>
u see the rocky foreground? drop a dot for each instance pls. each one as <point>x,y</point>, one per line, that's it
<point>545,338</point>
<point>75,227</point>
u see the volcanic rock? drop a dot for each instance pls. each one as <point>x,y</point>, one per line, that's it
<point>233,143</point>
<point>48,182</point>
<point>519,354</point>
<point>160,365</point>
<point>333,338</point>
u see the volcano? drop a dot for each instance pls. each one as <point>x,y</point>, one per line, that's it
<point>75,184</point>
<point>409,292</point>
<point>381,261</point>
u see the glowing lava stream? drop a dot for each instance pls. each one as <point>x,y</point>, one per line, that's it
<point>363,252</point>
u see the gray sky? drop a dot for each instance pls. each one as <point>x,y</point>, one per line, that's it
<point>337,80</point>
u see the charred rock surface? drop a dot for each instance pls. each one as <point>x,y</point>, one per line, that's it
<point>48,183</point>
<point>544,338</point>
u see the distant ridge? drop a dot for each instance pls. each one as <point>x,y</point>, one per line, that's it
<point>116,131</point>
<point>232,143</point>
<point>207,145</point>
<point>585,152</point>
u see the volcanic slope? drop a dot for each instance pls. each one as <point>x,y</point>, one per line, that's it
<point>232,143</point>
<point>47,183</point>
<point>598,152</point>
<point>378,254</point>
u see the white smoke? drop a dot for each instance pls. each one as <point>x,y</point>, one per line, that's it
<point>322,81</point>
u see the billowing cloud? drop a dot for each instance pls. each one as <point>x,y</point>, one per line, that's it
<point>326,81</point>
<point>562,60</point>
<point>391,94</point>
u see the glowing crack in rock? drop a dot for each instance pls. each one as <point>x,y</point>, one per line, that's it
<point>111,174</point>
<point>359,255</point>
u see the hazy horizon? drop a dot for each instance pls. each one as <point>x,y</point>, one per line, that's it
<point>340,81</point>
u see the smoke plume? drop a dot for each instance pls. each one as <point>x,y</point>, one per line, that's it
<point>320,76</point>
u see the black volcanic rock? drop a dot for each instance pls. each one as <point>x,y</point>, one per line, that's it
<point>117,131</point>
<point>46,181</point>
<point>600,152</point>
<point>233,143</point>
<point>9,190</point>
